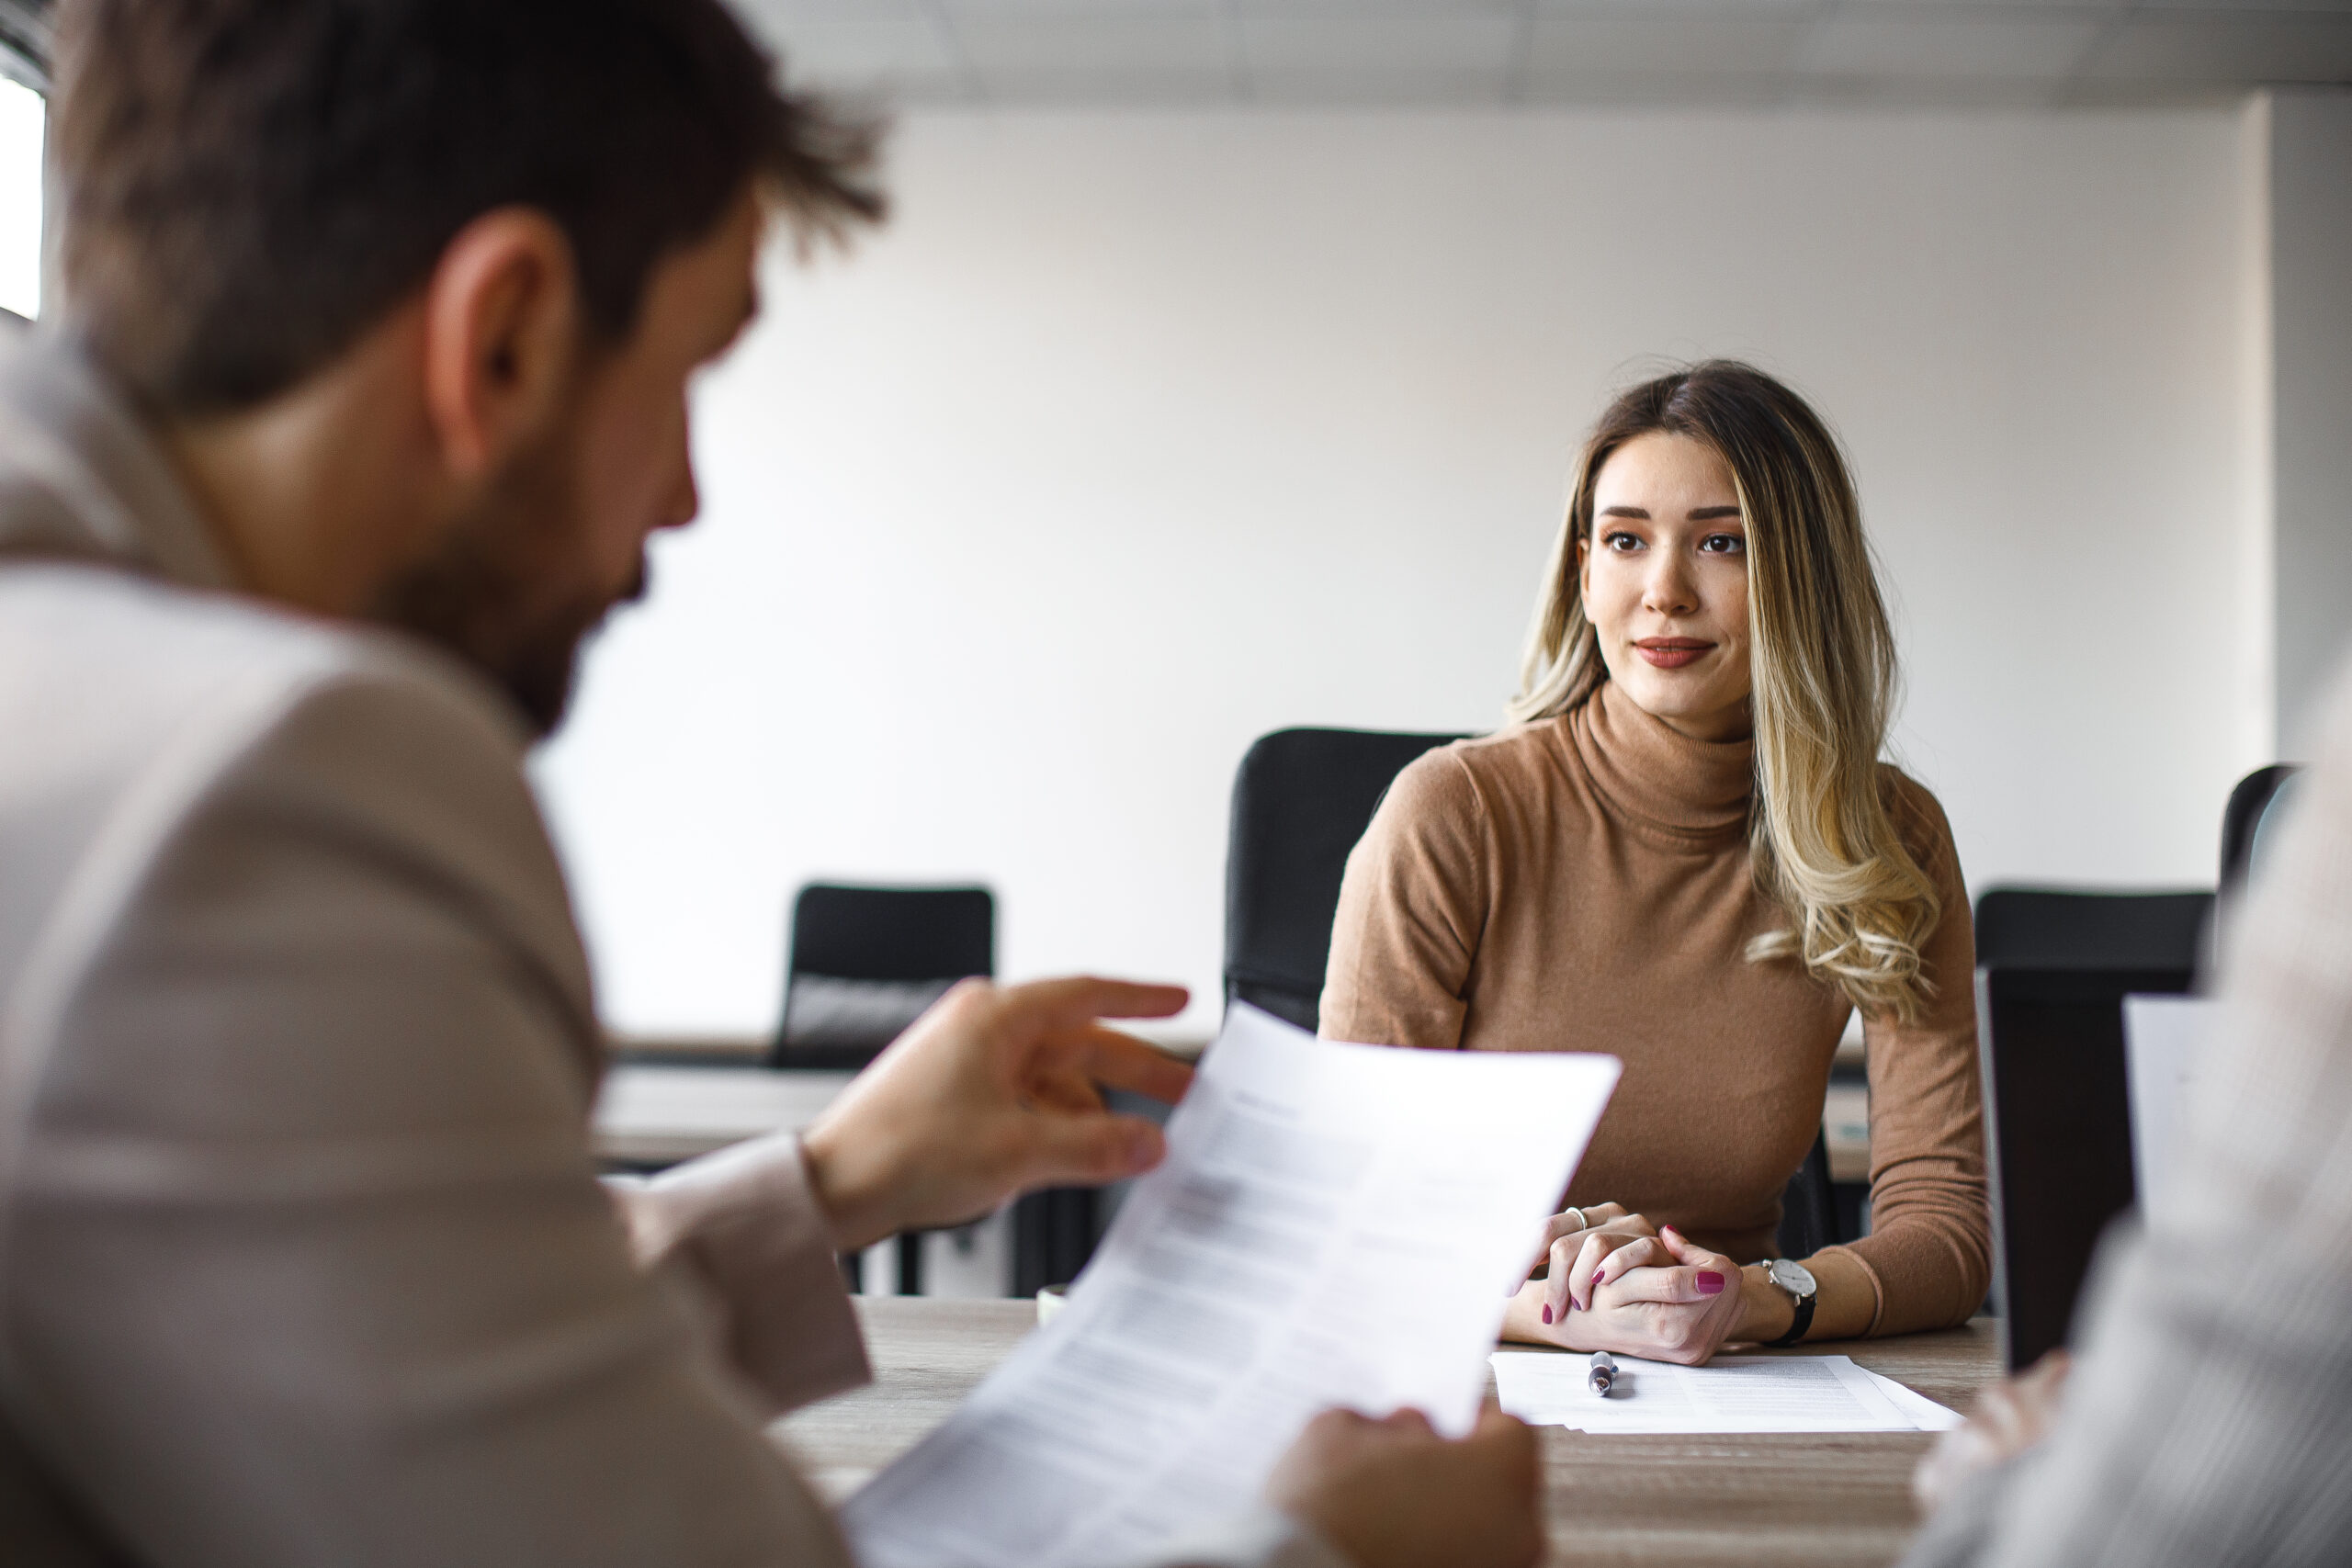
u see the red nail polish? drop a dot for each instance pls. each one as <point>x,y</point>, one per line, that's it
<point>1547,1311</point>
<point>1669,1230</point>
<point>1595,1276</point>
<point>1709,1282</point>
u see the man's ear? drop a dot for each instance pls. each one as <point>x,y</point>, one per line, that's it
<point>502,337</point>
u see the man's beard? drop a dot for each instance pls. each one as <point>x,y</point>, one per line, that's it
<point>495,590</point>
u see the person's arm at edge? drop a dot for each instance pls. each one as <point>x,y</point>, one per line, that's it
<point>1411,913</point>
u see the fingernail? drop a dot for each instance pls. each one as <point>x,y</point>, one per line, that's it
<point>1547,1311</point>
<point>1709,1282</point>
<point>1669,1230</point>
<point>1595,1276</point>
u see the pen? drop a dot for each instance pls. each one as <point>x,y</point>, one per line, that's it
<point>1603,1376</point>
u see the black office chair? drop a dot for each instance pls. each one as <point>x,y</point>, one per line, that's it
<point>862,964</point>
<point>1301,799</point>
<point>865,962</point>
<point>2053,929</point>
<point>2057,1131</point>
<point>2250,822</point>
<point>1809,1206</point>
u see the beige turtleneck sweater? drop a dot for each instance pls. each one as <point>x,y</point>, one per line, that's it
<point>1583,884</point>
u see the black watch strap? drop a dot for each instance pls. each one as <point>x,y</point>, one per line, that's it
<point>1802,1321</point>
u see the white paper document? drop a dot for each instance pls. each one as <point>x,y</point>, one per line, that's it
<point>2162,1040</point>
<point>1334,1225</point>
<point>1730,1393</point>
<point>1925,1413</point>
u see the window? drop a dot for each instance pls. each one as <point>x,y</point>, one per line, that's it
<point>24,126</point>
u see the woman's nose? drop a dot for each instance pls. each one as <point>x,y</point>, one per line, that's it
<point>1667,590</point>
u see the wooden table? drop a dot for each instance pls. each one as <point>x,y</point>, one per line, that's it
<point>1695,1502</point>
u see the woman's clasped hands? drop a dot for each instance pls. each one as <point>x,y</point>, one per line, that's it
<point>1613,1282</point>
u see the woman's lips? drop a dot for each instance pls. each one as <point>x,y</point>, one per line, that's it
<point>1670,652</point>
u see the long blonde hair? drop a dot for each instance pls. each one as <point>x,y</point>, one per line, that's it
<point>1822,841</point>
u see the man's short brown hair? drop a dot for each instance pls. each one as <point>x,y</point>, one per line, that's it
<point>249,184</point>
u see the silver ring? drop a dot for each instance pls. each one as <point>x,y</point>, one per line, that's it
<point>1582,1223</point>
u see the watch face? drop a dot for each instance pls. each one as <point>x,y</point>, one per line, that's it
<point>1793,1278</point>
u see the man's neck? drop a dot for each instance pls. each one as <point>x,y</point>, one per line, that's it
<point>311,496</point>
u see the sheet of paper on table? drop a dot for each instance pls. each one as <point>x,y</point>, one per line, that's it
<point>1334,1224</point>
<point>1730,1393</point>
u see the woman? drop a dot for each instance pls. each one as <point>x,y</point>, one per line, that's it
<point>1686,853</point>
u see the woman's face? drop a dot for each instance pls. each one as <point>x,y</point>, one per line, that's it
<point>1665,583</point>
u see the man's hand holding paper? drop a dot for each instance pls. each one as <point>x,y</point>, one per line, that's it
<point>996,1090</point>
<point>1203,1340</point>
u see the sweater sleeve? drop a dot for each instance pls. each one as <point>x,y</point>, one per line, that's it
<point>1412,910</point>
<point>1929,1251</point>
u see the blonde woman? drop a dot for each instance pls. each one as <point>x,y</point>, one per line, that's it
<point>1686,852</point>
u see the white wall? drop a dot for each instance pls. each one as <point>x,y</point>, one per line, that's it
<point>1136,436</point>
<point>2309,136</point>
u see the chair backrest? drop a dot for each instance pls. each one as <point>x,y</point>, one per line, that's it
<point>1301,799</point>
<point>2250,821</point>
<point>2068,930</point>
<point>1809,1206</point>
<point>865,961</point>
<point>2057,1131</point>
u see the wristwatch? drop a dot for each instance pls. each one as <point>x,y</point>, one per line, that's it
<point>1797,1280</point>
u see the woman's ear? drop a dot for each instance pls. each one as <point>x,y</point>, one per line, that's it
<point>501,337</point>
<point>1584,578</point>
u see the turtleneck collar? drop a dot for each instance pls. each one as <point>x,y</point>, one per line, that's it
<point>1652,773</point>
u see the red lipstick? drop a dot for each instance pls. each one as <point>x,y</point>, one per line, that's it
<point>1671,652</point>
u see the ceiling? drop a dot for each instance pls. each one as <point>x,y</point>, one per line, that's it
<point>1493,52</point>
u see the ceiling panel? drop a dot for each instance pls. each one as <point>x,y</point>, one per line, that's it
<point>768,15</point>
<point>1634,89</point>
<point>2100,9</point>
<point>1386,43</point>
<point>901,54</point>
<point>1998,45</point>
<point>1397,87</point>
<point>1148,43</point>
<point>1351,10</point>
<point>1500,51</point>
<point>2208,46</point>
<point>2236,6</point>
<point>1685,10</point>
<point>1592,43</point>
<point>1106,88</point>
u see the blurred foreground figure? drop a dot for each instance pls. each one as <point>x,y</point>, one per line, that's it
<point>368,391</point>
<point>2208,1416</point>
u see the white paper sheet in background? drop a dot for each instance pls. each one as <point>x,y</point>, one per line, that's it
<point>1730,1393</point>
<point>2162,1036</point>
<point>1335,1225</point>
<point>1925,1413</point>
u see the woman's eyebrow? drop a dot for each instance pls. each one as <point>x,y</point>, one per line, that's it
<point>1709,514</point>
<point>1627,511</point>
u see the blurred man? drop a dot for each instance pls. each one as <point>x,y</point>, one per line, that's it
<point>2208,1416</point>
<point>369,388</point>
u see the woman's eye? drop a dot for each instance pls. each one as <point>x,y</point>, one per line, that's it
<point>1621,541</point>
<point>1723,545</point>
